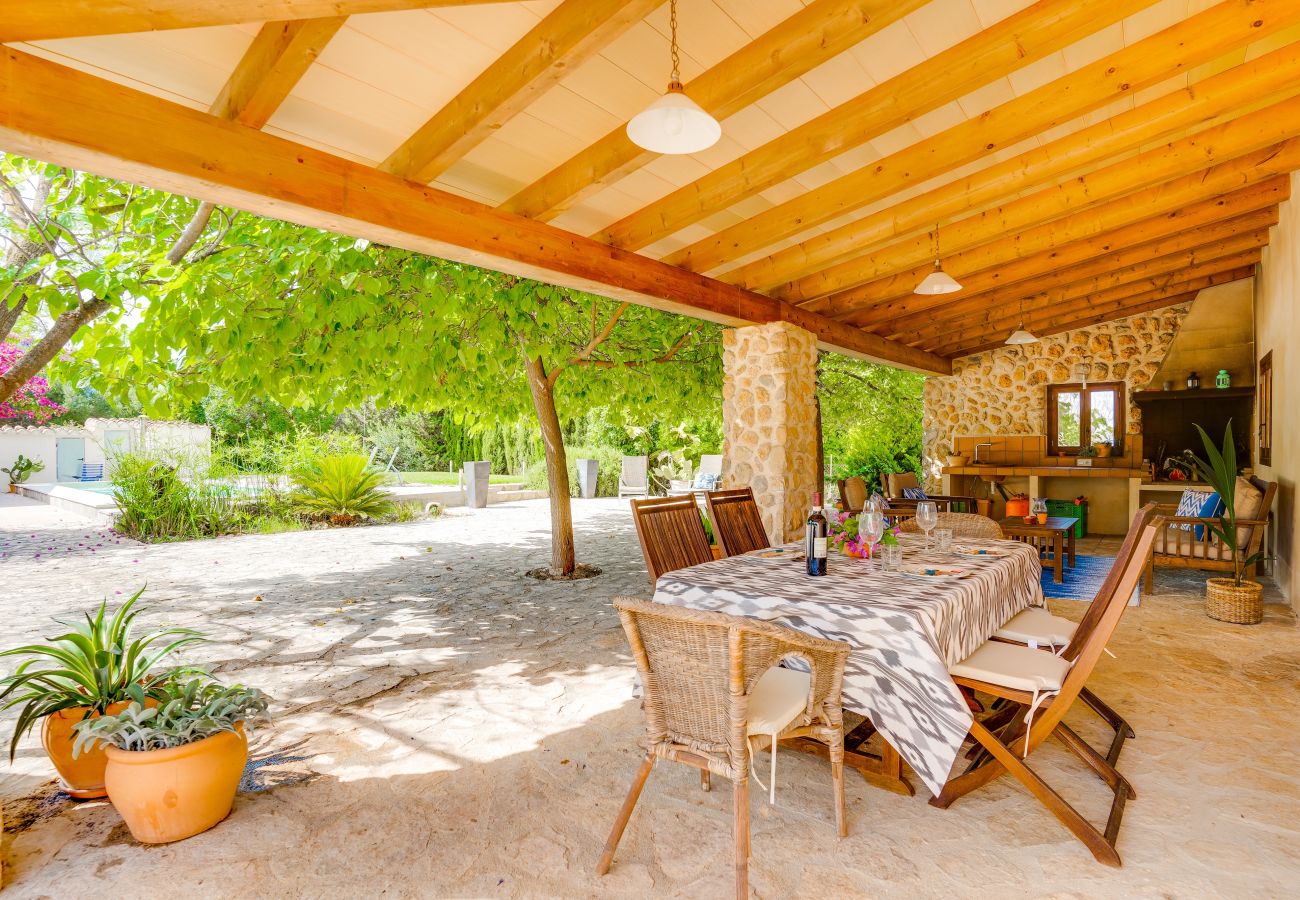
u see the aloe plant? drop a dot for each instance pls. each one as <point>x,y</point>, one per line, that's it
<point>186,712</point>
<point>1219,469</point>
<point>95,665</point>
<point>343,489</point>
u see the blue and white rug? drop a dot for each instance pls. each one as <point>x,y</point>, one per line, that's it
<point>1084,580</point>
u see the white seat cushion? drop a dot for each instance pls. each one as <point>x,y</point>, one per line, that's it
<point>1009,666</point>
<point>1037,626</point>
<point>779,698</point>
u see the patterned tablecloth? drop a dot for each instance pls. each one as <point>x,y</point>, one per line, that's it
<point>905,630</point>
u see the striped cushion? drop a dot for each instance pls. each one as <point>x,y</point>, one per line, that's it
<point>1201,505</point>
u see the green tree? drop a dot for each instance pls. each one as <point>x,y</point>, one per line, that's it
<point>77,248</point>
<point>871,416</point>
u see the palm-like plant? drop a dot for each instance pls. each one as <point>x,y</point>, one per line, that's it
<point>1219,469</point>
<point>343,489</point>
<point>94,665</point>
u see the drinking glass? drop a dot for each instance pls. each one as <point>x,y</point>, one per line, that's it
<point>891,558</point>
<point>927,516</point>
<point>871,526</point>
<point>943,540</point>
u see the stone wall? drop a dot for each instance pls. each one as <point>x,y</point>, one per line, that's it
<point>769,421</point>
<point>1003,392</point>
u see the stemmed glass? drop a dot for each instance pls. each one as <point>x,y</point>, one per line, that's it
<point>871,526</point>
<point>927,516</point>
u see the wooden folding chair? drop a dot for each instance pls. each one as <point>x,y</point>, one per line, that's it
<point>671,533</point>
<point>737,523</point>
<point>709,679</point>
<point>1025,677</point>
<point>1037,627</point>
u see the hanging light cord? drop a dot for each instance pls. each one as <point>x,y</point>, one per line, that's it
<point>676,78</point>
<point>936,244</point>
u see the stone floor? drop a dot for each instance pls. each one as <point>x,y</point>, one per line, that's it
<point>447,727</point>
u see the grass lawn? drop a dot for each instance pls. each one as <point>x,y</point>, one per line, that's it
<point>453,478</point>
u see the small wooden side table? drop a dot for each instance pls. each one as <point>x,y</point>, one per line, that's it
<point>1056,538</point>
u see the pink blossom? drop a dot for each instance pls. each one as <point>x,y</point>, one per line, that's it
<point>29,404</point>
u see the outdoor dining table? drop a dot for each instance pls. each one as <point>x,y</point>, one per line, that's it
<point>905,629</point>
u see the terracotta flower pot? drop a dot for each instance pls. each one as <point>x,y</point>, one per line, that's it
<point>956,460</point>
<point>83,777</point>
<point>169,795</point>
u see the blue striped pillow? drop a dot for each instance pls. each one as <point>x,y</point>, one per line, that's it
<point>1201,505</point>
<point>914,493</point>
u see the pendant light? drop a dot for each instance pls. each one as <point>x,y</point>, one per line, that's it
<point>1020,336</point>
<point>674,124</point>
<point>938,281</point>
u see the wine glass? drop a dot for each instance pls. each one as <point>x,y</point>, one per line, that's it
<point>871,526</point>
<point>927,516</point>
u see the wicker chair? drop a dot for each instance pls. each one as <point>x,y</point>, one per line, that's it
<point>699,671</point>
<point>963,525</point>
<point>671,533</point>
<point>736,521</point>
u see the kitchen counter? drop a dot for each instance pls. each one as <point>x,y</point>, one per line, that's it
<point>1114,492</point>
<point>1048,471</point>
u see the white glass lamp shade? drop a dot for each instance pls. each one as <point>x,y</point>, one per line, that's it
<point>1020,336</point>
<point>674,124</point>
<point>937,282</point>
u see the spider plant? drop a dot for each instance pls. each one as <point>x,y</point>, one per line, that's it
<point>342,489</point>
<point>188,712</point>
<point>94,665</point>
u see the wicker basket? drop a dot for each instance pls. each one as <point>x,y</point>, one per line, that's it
<point>1239,605</point>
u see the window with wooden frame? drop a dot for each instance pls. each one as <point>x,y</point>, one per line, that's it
<point>1079,416</point>
<point>1264,390</point>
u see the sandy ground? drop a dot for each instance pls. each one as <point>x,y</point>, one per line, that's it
<point>446,727</point>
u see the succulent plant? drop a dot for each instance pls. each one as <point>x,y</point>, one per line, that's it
<point>192,711</point>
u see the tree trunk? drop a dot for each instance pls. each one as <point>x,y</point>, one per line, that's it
<point>563,559</point>
<point>44,350</point>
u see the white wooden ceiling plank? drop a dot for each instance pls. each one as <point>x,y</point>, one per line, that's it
<point>938,26</point>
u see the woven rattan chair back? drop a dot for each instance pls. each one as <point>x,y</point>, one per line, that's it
<point>671,533</point>
<point>737,523</point>
<point>697,669</point>
<point>963,525</point>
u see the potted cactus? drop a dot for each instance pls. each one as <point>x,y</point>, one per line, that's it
<point>22,469</point>
<point>174,768</point>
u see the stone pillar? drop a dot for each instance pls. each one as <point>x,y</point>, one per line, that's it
<point>770,421</point>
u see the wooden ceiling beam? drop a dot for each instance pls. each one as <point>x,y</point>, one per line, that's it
<point>1121,224</point>
<point>1073,282</point>
<point>1156,301</point>
<point>1104,303</point>
<point>1252,207</point>
<point>277,59</point>
<point>71,118</point>
<point>1179,48</point>
<point>821,30</point>
<point>1160,299</point>
<point>1240,152</point>
<point>571,34</point>
<point>1223,96</point>
<point>1011,44</point>
<point>43,20</point>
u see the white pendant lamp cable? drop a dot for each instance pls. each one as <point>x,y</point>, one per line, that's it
<point>674,124</point>
<point>938,281</point>
<point>1020,336</point>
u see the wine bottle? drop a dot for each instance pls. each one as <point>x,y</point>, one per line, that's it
<point>815,542</point>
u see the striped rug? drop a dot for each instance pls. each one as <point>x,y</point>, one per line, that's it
<point>1084,580</point>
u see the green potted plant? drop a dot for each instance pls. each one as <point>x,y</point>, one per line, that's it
<point>1219,471</point>
<point>174,768</point>
<point>342,489</point>
<point>22,469</point>
<point>1103,449</point>
<point>955,457</point>
<point>94,669</point>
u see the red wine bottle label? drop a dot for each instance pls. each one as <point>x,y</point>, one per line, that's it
<point>819,548</point>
